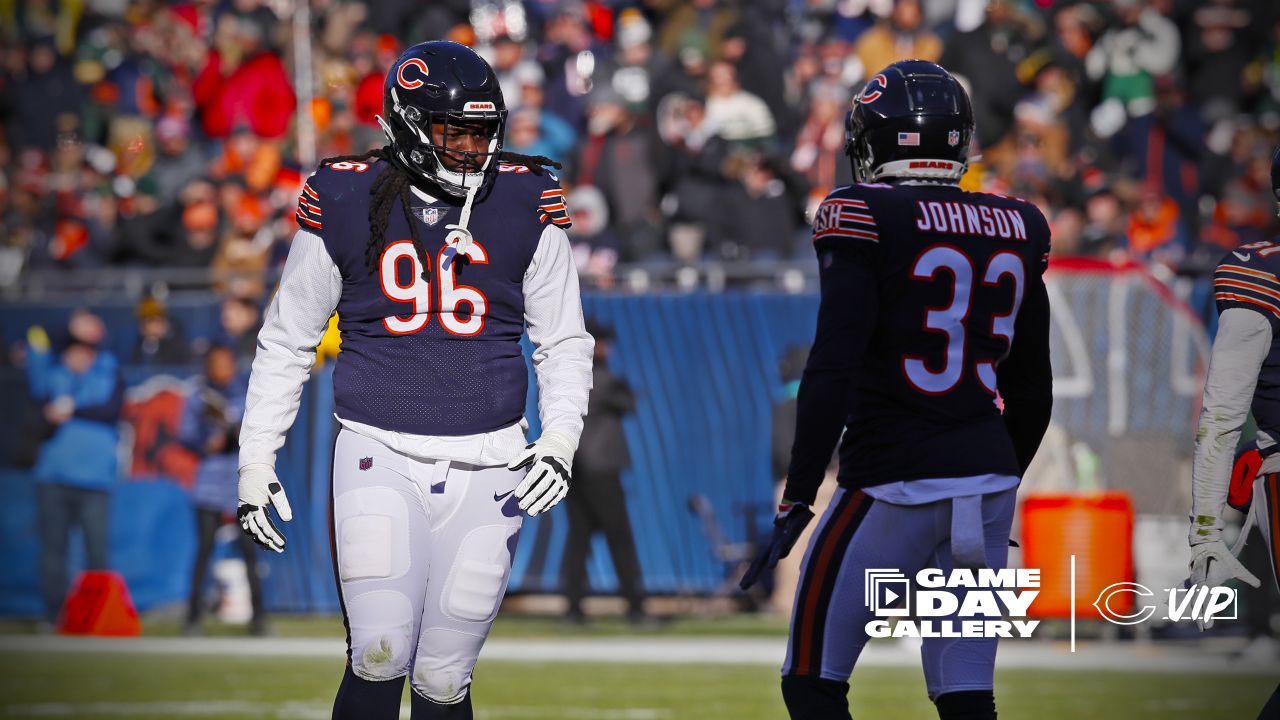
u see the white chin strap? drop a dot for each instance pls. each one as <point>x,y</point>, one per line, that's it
<point>473,182</point>
<point>921,170</point>
<point>459,236</point>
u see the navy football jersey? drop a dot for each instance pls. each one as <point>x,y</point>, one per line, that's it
<point>440,355</point>
<point>1247,278</point>
<point>939,277</point>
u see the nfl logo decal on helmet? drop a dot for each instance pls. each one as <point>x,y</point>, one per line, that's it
<point>366,463</point>
<point>913,120</point>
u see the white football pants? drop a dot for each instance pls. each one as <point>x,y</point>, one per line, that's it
<point>423,553</point>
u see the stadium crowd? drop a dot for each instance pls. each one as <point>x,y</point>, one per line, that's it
<point>168,135</point>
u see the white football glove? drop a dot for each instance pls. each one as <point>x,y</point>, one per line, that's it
<point>259,488</point>
<point>1212,562</point>
<point>547,482</point>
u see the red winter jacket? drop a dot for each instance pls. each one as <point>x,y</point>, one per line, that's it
<point>256,93</point>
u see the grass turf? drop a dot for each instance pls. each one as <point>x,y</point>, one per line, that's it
<point>106,686</point>
<point>506,626</point>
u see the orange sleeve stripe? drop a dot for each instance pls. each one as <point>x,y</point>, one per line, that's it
<point>1232,297</point>
<point>1246,285</point>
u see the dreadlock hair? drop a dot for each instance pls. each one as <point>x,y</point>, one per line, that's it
<point>393,183</point>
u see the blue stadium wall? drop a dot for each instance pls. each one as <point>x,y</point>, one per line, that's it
<point>704,368</point>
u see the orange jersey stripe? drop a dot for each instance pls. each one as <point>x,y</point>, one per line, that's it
<point>1245,284</point>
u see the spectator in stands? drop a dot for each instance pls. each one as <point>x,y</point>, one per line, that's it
<point>617,157</point>
<point>242,81</point>
<point>986,60</point>
<point>598,503</point>
<point>568,53</point>
<point>533,132</point>
<point>177,163</point>
<point>696,157</point>
<point>197,242</point>
<point>763,208</point>
<point>1157,230</point>
<point>47,99</point>
<point>704,22</point>
<point>82,392</point>
<point>752,47</point>
<point>144,234</point>
<point>160,341</point>
<point>1165,148</point>
<point>735,114</point>
<point>635,70</point>
<point>210,428</point>
<point>901,36</point>
<point>240,323</point>
<point>819,148</point>
<point>1104,222</point>
<point>506,55</point>
<point>1128,58</point>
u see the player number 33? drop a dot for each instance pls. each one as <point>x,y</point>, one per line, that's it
<point>950,320</point>
<point>451,295</point>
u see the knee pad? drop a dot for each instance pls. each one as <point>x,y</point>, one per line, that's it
<point>813,698</point>
<point>967,705</point>
<point>372,530</point>
<point>382,634</point>
<point>444,685</point>
<point>478,575</point>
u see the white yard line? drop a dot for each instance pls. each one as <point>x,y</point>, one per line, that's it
<point>1129,657</point>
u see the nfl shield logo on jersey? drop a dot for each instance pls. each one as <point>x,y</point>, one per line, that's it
<point>953,138</point>
<point>432,215</point>
<point>366,463</point>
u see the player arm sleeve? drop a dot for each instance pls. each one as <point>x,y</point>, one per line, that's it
<point>562,347</point>
<point>846,319</point>
<point>1025,378</point>
<point>1241,345</point>
<point>296,318</point>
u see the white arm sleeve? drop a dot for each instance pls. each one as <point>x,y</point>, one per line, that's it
<point>310,287</point>
<point>562,347</point>
<point>1242,343</point>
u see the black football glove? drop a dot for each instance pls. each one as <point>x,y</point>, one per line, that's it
<point>791,520</point>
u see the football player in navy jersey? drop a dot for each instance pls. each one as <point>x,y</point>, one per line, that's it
<point>436,254</point>
<point>933,308</point>
<point>1244,376</point>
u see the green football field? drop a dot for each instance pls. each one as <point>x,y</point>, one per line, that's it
<point>101,683</point>
<point>154,687</point>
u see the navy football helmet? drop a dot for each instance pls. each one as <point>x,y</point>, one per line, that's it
<point>442,82</point>
<point>913,120</point>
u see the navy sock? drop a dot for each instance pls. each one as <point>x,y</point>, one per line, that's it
<point>424,709</point>
<point>812,698</point>
<point>967,705</point>
<point>360,699</point>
